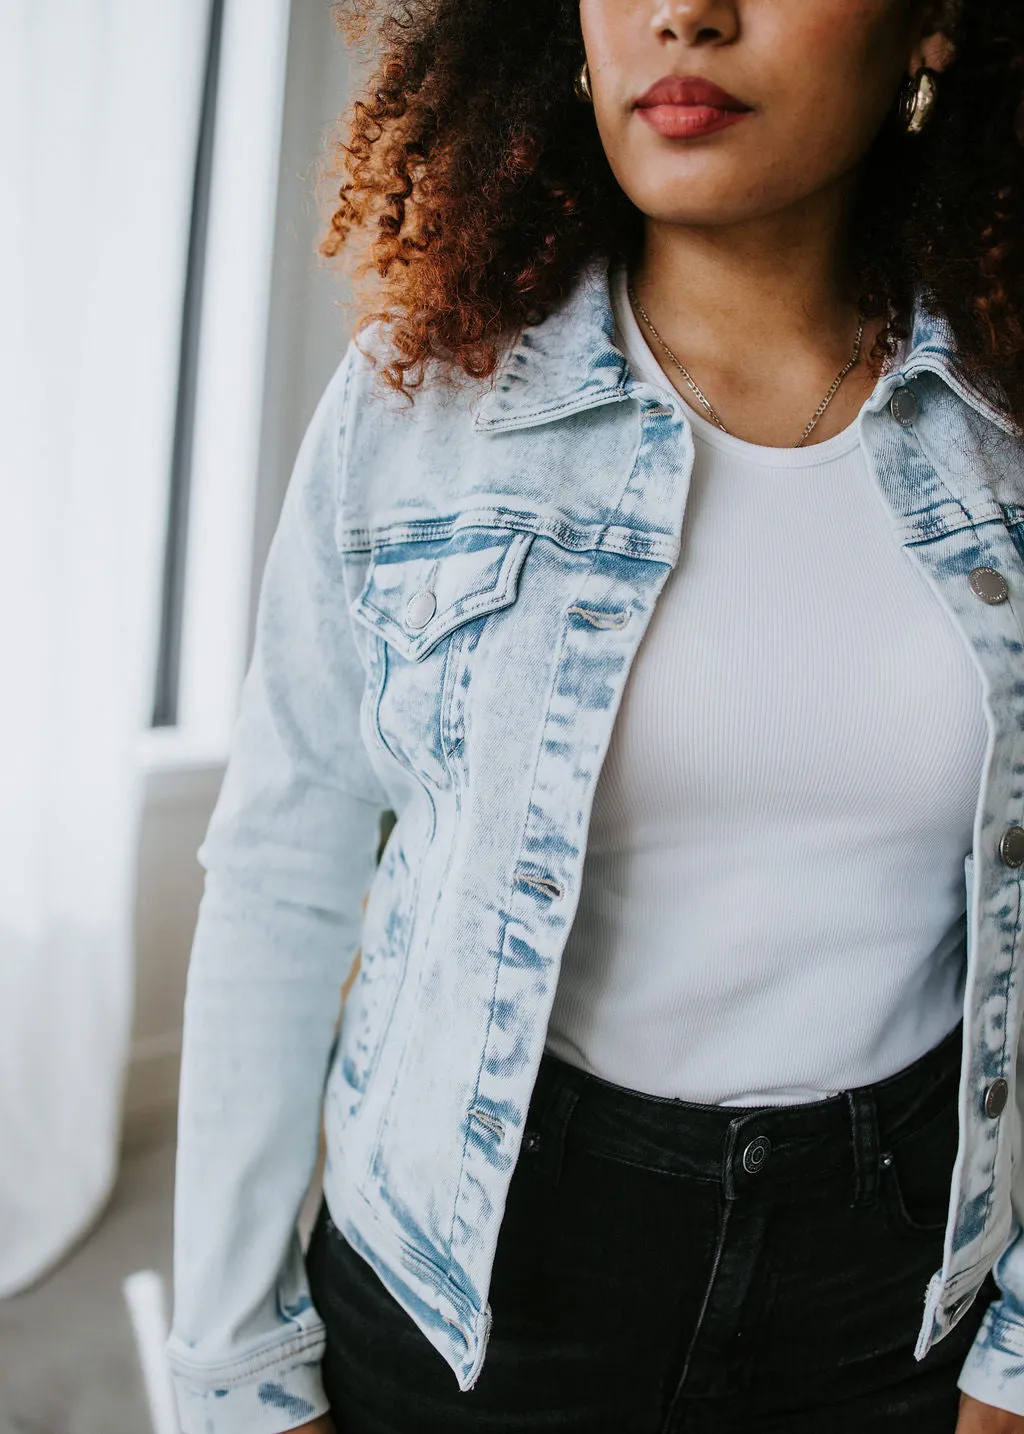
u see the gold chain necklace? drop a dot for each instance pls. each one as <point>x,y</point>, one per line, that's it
<point>851,363</point>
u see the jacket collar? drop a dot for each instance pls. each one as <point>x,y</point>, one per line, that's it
<point>568,363</point>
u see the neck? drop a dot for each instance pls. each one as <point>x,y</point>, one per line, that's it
<point>758,285</point>
<point>763,313</point>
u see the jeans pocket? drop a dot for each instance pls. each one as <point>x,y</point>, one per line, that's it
<point>542,1147</point>
<point>917,1172</point>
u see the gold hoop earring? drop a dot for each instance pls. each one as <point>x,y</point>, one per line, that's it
<point>581,86</point>
<point>917,100</point>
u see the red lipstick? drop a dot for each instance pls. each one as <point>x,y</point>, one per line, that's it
<point>685,106</point>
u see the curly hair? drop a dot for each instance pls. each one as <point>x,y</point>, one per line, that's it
<point>491,190</point>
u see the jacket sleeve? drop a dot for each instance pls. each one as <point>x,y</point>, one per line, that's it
<point>994,1369</point>
<point>288,855</point>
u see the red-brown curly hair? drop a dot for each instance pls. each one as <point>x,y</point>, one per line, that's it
<point>481,189</point>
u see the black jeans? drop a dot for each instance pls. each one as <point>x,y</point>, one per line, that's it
<point>666,1267</point>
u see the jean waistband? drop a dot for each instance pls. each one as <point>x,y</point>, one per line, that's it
<point>832,1142</point>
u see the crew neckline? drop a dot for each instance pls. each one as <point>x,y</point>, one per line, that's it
<point>644,361</point>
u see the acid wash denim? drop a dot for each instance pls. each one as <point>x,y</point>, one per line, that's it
<point>450,608</point>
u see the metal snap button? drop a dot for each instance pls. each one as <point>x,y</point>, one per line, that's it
<point>903,406</point>
<point>1011,846</point>
<point>956,1309</point>
<point>531,1140</point>
<point>756,1153</point>
<point>420,609</point>
<point>995,1098</point>
<point>989,584</point>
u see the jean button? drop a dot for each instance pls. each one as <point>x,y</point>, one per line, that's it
<point>995,1098</point>
<point>988,584</point>
<point>420,609</point>
<point>756,1153</point>
<point>1011,846</point>
<point>903,406</point>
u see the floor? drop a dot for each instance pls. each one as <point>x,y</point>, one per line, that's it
<point>68,1362</point>
<point>67,1352</point>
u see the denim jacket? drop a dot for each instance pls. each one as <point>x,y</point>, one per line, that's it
<point>452,601</point>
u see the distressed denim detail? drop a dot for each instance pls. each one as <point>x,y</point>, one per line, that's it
<point>451,607</point>
<point>994,1370</point>
<point>267,1396</point>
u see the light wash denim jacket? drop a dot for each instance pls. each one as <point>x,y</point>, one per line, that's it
<point>450,609</point>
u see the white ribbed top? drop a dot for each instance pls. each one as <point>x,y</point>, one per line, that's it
<point>773,892</point>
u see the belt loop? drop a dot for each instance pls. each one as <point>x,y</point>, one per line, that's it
<point>732,1136</point>
<point>864,1139</point>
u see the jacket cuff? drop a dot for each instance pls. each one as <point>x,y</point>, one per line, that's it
<point>994,1368</point>
<point>279,1390</point>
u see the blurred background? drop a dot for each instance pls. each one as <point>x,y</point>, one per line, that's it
<point>166,331</point>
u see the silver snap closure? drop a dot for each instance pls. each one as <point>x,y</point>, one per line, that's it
<point>995,1098</point>
<point>1011,846</point>
<point>756,1153</point>
<point>420,609</point>
<point>989,584</point>
<point>903,406</point>
<point>956,1309</point>
<point>531,1140</point>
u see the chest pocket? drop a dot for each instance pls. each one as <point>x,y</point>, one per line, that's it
<point>426,601</point>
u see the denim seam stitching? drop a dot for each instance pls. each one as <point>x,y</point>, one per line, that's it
<point>616,538</point>
<point>579,401</point>
<point>440,1279</point>
<point>555,666</point>
<point>705,1302</point>
<point>241,1372</point>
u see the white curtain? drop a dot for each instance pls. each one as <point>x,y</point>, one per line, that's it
<point>99,109</point>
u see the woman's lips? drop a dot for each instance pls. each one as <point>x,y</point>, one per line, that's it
<point>686,121</point>
<point>683,106</point>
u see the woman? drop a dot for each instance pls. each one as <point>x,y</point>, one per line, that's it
<point>678,620</point>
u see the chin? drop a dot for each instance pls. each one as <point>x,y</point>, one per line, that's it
<point>677,203</point>
<point>693,196</point>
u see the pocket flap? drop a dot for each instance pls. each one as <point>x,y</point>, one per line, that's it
<point>417,592</point>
